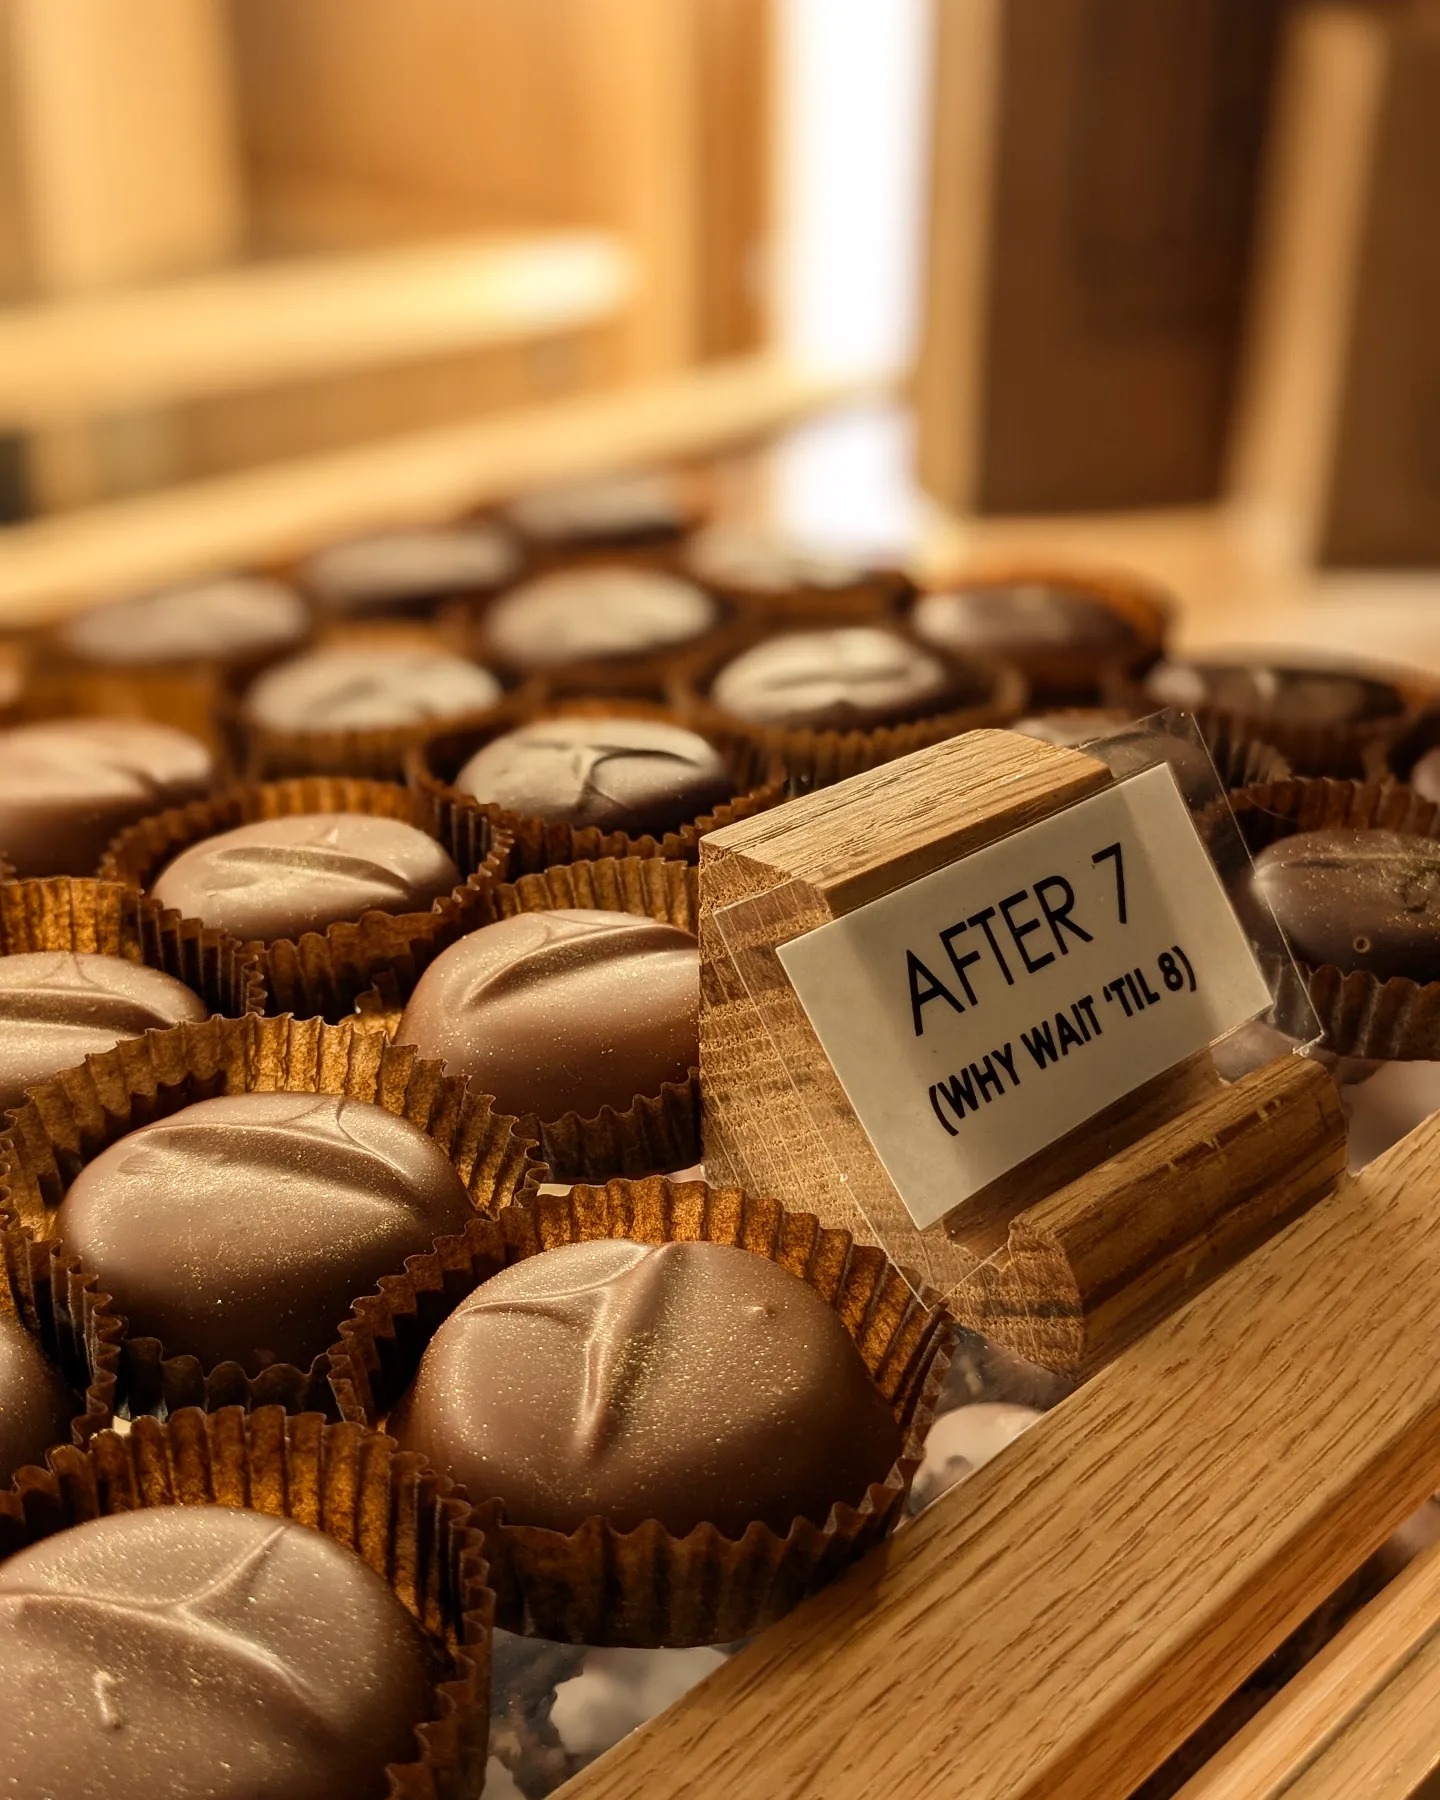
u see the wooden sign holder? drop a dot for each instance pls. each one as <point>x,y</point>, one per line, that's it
<point>1075,1252</point>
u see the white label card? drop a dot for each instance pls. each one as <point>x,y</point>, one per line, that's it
<point>985,1010</point>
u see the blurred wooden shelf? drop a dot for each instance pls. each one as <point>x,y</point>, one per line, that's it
<point>262,324</point>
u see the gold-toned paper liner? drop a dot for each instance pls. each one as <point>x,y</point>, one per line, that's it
<point>647,1587</point>
<point>408,1524</point>
<point>110,918</point>
<point>758,782</point>
<point>1074,676</point>
<point>1361,1015</point>
<point>69,1121</point>
<point>320,973</point>
<point>815,758</point>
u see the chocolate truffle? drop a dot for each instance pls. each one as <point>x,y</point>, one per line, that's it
<point>1288,692</point>
<point>615,512</point>
<point>850,679</point>
<point>764,563</point>
<point>203,1653</point>
<point>686,1382</point>
<point>1365,900</point>
<point>59,1006</point>
<point>411,571</point>
<point>36,1405</point>
<point>234,619</point>
<point>67,786</point>
<point>1069,728</point>
<point>1425,776</point>
<point>1128,746</point>
<point>635,775</point>
<point>1021,618</point>
<point>559,1012</point>
<point>598,612</point>
<point>370,688</point>
<point>242,1229</point>
<point>279,878</point>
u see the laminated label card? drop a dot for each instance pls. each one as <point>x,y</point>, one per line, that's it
<point>985,1010</point>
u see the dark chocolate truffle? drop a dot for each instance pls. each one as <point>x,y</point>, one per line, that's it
<point>59,1006</point>
<point>369,688</point>
<point>686,1382</point>
<point>203,1653</point>
<point>67,786</point>
<point>635,775</point>
<point>850,679</point>
<point>1366,900</point>
<point>1020,618</point>
<point>234,619</point>
<point>1292,693</point>
<point>36,1405</point>
<point>242,1229</point>
<point>411,571</point>
<point>559,1012</point>
<point>281,877</point>
<point>1071,727</point>
<point>1127,746</point>
<point>599,611</point>
<point>612,512</point>
<point>764,563</point>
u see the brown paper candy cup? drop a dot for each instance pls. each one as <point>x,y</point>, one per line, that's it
<point>110,918</point>
<point>758,782</point>
<point>876,596</point>
<point>74,1325</point>
<point>408,1524</point>
<point>1361,1015</point>
<point>69,1121</point>
<point>647,1587</point>
<point>991,693</point>
<point>320,973</point>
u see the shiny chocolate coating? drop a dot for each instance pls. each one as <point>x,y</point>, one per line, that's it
<point>1366,900</point>
<point>67,786</point>
<point>1020,619</point>
<point>596,612</point>
<point>763,563</point>
<point>411,571</point>
<point>690,1383</point>
<point>1425,776</point>
<point>850,679</point>
<point>233,619</point>
<point>558,1012</point>
<point>1128,746</point>
<point>242,1229</point>
<point>279,878</point>
<point>1292,694</point>
<point>203,1653</point>
<point>369,688</point>
<point>59,1006</point>
<point>36,1404</point>
<point>611,512</point>
<point>1071,727</point>
<point>621,774</point>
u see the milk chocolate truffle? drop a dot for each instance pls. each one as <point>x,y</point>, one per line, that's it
<point>616,512</point>
<point>59,1006</point>
<point>67,786</point>
<point>621,774</point>
<point>203,1653</point>
<point>234,619</point>
<point>767,564</point>
<point>242,1229</point>
<point>1020,619</point>
<point>684,1382</point>
<point>597,612</point>
<point>281,877</point>
<point>411,571</point>
<point>559,1012</point>
<point>1364,900</point>
<point>36,1405</point>
<point>1071,727</point>
<point>851,679</point>
<point>1290,692</point>
<point>368,689</point>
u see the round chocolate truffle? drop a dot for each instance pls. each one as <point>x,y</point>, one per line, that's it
<point>1288,692</point>
<point>598,612</point>
<point>613,512</point>
<point>690,1383</point>
<point>1019,619</point>
<point>67,786</point>
<point>279,878</point>
<point>411,571</point>
<point>234,619</point>
<point>368,689</point>
<point>36,1405</point>
<point>766,563</point>
<point>558,1012</point>
<point>850,679</point>
<point>635,775</point>
<point>242,1229</point>
<point>203,1653</point>
<point>59,1006</point>
<point>1357,899</point>
<point>1425,776</point>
